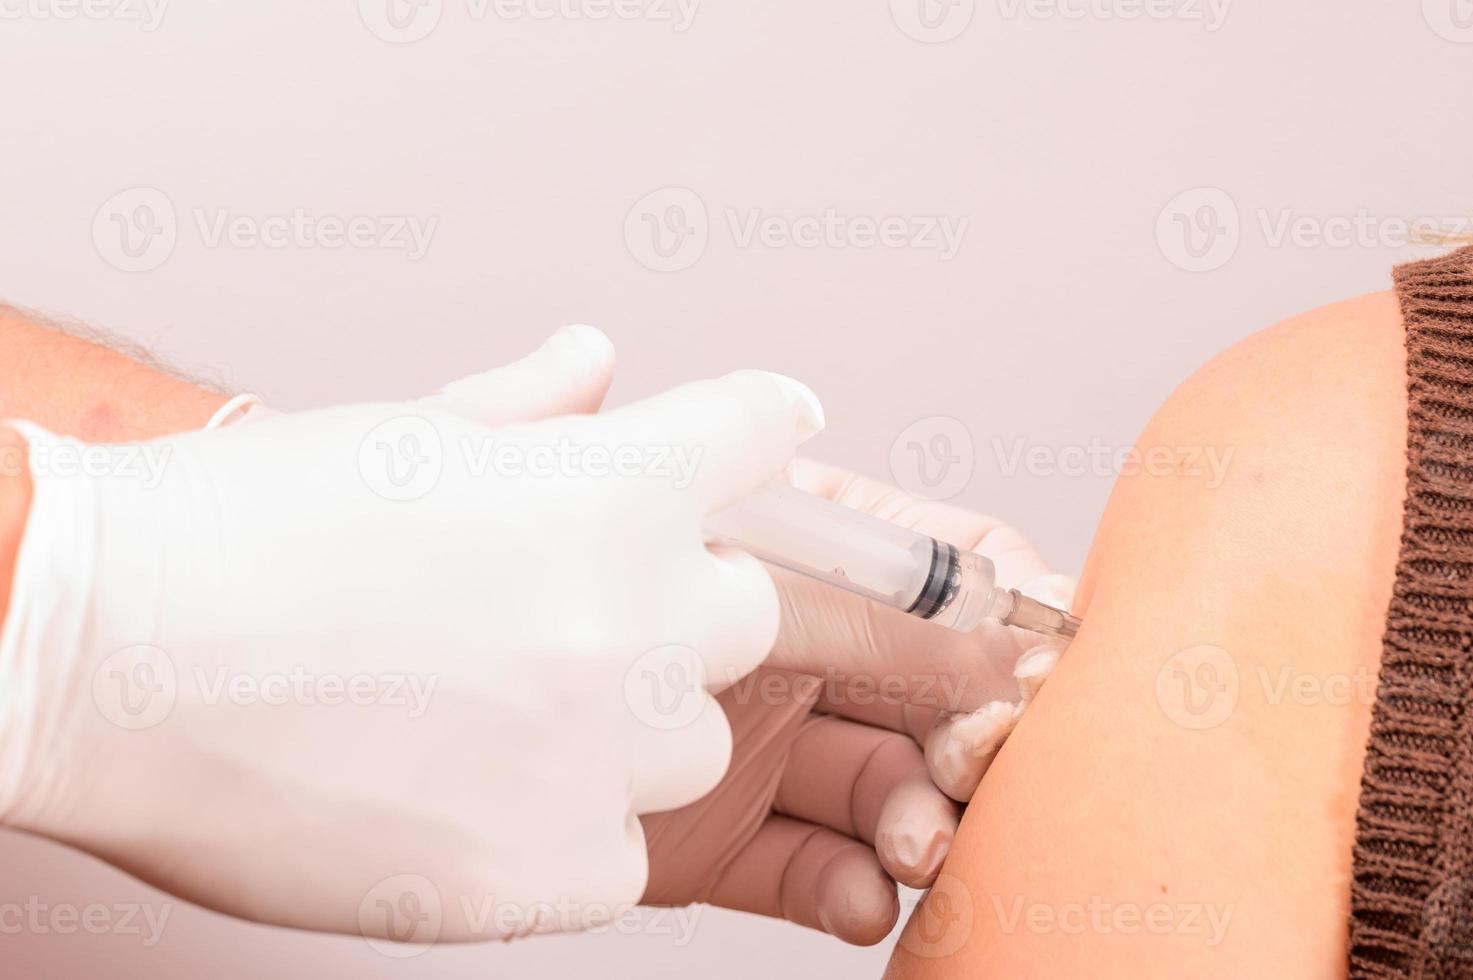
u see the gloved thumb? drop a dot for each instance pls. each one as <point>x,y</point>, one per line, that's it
<point>569,374</point>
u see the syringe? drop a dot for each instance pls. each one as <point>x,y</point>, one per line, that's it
<point>891,565</point>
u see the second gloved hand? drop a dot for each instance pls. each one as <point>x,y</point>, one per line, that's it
<point>815,822</point>
<point>400,669</point>
<point>957,694</point>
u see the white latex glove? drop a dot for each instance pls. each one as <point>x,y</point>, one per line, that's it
<point>325,674</point>
<point>817,818</point>
<point>958,694</point>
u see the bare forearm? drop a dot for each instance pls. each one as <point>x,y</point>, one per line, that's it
<point>77,386</point>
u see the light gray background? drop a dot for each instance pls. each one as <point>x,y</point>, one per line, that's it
<point>1078,141</point>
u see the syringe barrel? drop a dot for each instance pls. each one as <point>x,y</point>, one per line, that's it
<point>891,565</point>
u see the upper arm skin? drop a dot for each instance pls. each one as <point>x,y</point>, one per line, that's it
<point>1193,815</point>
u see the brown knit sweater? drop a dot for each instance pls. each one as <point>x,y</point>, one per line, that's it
<point>1412,894</point>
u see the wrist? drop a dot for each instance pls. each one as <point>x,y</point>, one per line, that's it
<point>15,504</point>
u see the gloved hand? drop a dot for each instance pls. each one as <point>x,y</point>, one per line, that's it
<point>957,694</point>
<point>815,817</point>
<point>382,668</point>
<point>829,798</point>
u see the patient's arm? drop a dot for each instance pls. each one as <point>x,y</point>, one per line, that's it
<point>1117,837</point>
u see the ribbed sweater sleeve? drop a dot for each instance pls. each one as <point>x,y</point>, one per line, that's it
<point>1412,888</point>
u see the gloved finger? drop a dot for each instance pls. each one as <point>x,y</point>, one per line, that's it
<point>569,374</point>
<point>917,827</point>
<point>872,784</point>
<point>731,607</point>
<point>765,713</point>
<point>857,644</point>
<point>813,877</point>
<point>854,643</point>
<point>960,747</point>
<point>741,430</point>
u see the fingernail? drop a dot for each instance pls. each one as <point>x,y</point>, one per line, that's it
<point>825,921</point>
<point>918,847</point>
<point>811,420</point>
<point>1033,668</point>
<point>936,850</point>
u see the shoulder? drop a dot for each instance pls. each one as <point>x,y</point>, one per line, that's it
<point>1198,748</point>
<point>1289,446</point>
